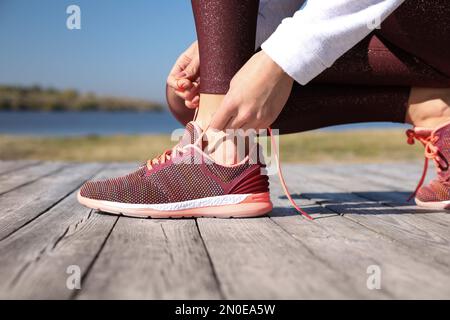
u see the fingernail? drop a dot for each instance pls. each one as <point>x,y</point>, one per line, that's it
<point>181,85</point>
<point>181,74</point>
<point>196,99</point>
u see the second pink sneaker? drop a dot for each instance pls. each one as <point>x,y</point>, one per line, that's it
<point>437,148</point>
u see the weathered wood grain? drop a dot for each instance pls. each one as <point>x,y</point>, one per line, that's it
<point>397,187</point>
<point>424,237</point>
<point>10,166</point>
<point>152,259</point>
<point>24,204</point>
<point>395,192</point>
<point>35,259</point>
<point>352,249</point>
<point>14,179</point>
<point>256,259</point>
<point>361,216</point>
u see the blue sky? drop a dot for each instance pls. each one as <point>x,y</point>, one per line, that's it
<point>124,48</point>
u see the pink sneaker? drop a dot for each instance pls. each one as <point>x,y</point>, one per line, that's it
<point>184,182</point>
<point>437,148</point>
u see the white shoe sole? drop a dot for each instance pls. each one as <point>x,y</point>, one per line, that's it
<point>227,206</point>
<point>441,205</point>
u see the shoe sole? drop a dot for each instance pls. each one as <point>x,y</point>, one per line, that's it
<point>228,206</point>
<point>441,205</point>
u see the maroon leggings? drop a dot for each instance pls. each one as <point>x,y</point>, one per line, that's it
<point>371,82</point>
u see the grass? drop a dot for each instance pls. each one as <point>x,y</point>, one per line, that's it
<point>313,147</point>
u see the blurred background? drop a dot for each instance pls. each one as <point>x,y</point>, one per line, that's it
<point>98,93</point>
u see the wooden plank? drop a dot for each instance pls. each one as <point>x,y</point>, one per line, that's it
<point>398,188</point>
<point>10,166</point>
<point>24,204</point>
<point>352,248</point>
<point>256,259</point>
<point>408,173</point>
<point>35,258</point>
<point>152,259</point>
<point>369,185</point>
<point>378,187</point>
<point>394,192</point>
<point>284,256</point>
<point>14,179</point>
<point>423,237</point>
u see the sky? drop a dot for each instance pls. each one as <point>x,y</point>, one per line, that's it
<point>124,48</point>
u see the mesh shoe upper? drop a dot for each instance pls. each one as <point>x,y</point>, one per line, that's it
<point>132,188</point>
<point>190,177</point>
<point>437,148</point>
<point>435,191</point>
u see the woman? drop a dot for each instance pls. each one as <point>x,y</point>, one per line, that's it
<point>322,63</point>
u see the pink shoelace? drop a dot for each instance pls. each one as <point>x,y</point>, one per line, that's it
<point>163,157</point>
<point>431,152</point>
<point>166,155</point>
<point>282,181</point>
<point>280,173</point>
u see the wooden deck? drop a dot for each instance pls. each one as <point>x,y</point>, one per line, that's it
<point>362,220</point>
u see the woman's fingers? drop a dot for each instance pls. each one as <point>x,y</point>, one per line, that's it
<point>192,92</point>
<point>237,122</point>
<point>179,84</point>
<point>224,115</point>
<point>192,70</point>
<point>220,120</point>
<point>194,103</point>
<point>180,65</point>
<point>189,93</point>
<point>183,80</point>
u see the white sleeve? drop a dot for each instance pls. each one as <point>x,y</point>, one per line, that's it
<point>321,31</point>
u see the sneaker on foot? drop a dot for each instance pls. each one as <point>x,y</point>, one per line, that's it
<point>437,148</point>
<point>184,182</point>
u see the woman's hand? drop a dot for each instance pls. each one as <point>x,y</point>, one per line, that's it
<point>184,78</point>
<point>258,93</point>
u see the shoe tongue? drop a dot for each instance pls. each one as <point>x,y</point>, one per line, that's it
<point>191,134</point>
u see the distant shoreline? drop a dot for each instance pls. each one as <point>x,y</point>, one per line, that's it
<point>163,110</point>
<point>36,98</point>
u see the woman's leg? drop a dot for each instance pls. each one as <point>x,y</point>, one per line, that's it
<point>371,82</point>
<point>226,32</point>
<point>400,73</point>
<point>317,106</point>
<point>428,107</point>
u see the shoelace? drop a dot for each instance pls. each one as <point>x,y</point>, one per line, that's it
<point>163,157</point>
<point>166,155</point>
<point>281,177</point>
<point>431,152</point>
<point>282,181</point>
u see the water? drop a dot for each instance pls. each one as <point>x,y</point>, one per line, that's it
<point>368,125</point>
<point>86,123</point>
<point>109,123</point>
